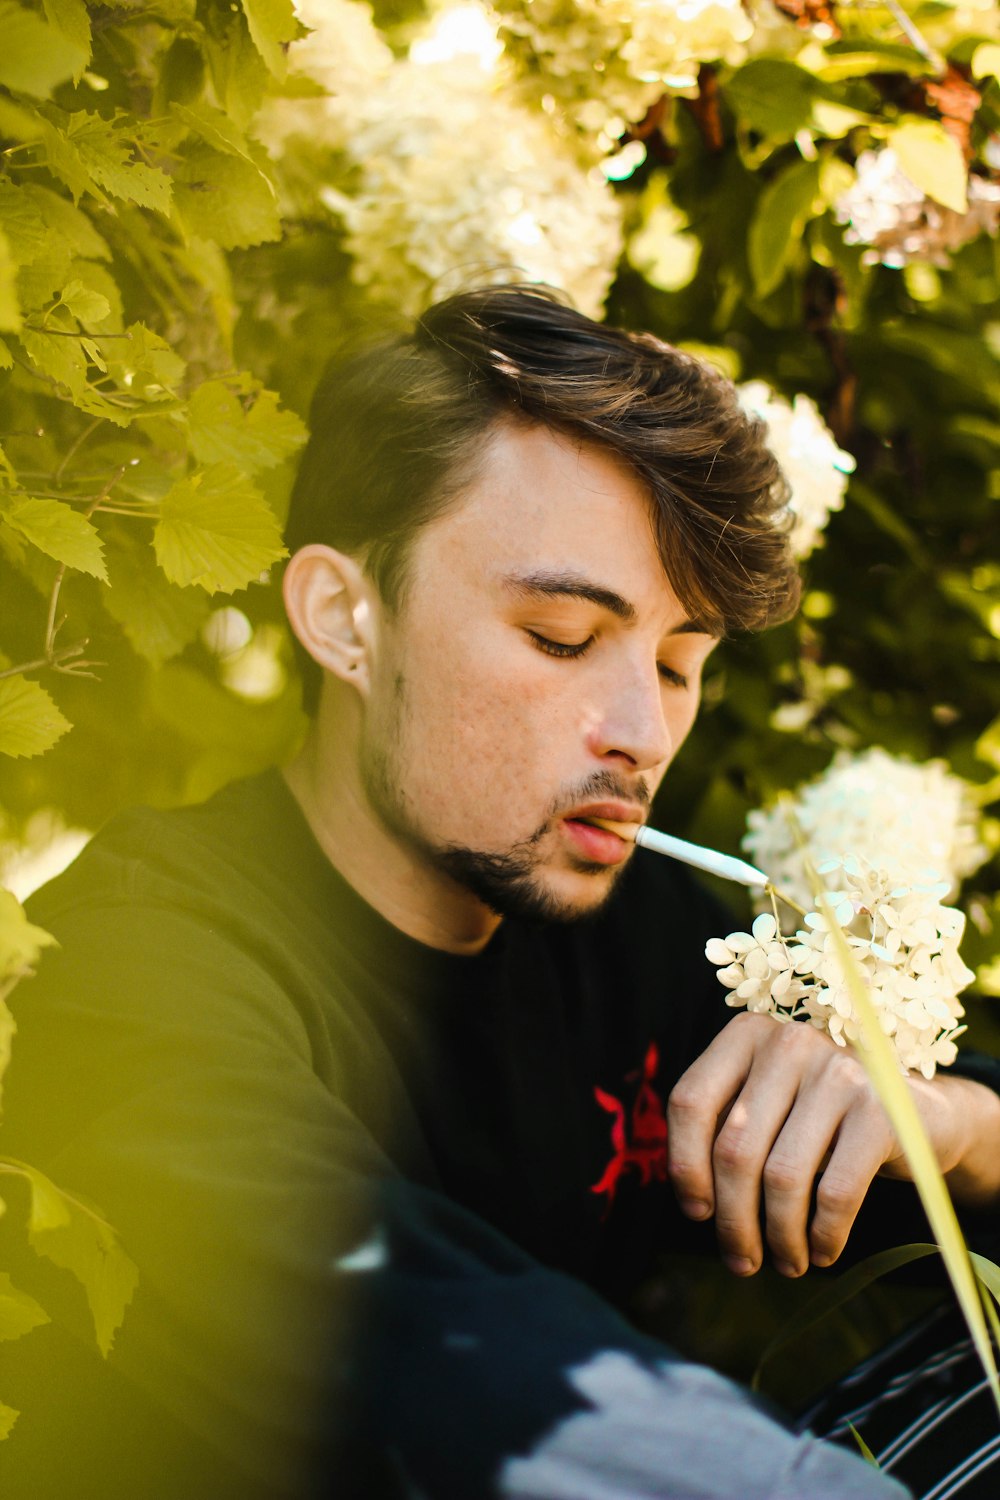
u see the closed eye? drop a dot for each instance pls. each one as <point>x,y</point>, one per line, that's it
<point>560,648</point>
<point>676,679</point>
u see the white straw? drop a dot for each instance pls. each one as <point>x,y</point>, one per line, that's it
<point>710,860</point>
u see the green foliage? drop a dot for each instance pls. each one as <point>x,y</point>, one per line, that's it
<point>169,293</point>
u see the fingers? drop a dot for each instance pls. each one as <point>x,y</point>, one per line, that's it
<point>766,1110</point>
<point>695,1109</point>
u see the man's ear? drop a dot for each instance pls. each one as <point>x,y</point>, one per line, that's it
<point>329,603</point>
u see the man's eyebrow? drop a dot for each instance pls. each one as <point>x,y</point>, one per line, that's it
<point>575,586</point>
<point>568,586</point>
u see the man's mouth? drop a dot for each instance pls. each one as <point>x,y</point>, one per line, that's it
<point>600,845</point>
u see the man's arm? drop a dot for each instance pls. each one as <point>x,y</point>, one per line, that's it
<point>771,1113</point>
<point>306,1308</point>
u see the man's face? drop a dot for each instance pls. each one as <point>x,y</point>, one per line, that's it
<point>539,670</point>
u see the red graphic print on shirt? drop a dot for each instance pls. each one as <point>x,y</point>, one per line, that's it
<point>646,1151</point>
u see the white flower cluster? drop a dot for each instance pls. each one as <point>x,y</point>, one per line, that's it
<point>904,941</point>
<point>815,468</point>
<point>884,209</point>
<point>444,178</point>
<point>606,61</point>
<point>917,821</point>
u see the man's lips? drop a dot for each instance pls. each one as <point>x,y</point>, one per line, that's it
<point>599,845</point>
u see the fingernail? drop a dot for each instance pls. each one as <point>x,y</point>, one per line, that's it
<point>695,1208</point>
<point>787,1268</point>
<point>739,1265</point>
<point>820,1258</point>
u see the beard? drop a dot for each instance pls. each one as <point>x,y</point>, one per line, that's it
<point>511,881</point>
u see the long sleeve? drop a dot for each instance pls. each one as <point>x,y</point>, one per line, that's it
<point>309,1320</point>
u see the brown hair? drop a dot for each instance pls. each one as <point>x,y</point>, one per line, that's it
<point>397,432</point>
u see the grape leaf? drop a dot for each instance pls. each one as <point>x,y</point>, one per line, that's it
<point>238,71</point>
<point>216,530</point>
<point>257,437</point>
<point>73,1235</point>
<point>214,127</point>
<point>225,198</point>
<point>30,723</point>
<point>87,306</point>
<point>271,23</point>
<point>773,96</point>
<point>27,233</point>
<point>71,19</point>
<point>21,942</point>
<point>934,161</point>
<point>71,224</point>
<point>59,532</point>
<point>144,362</point>
<point>782,211</point>
<point>19,1313</point>
<point>158,618</point>
<point>10,310</point>
<point>61,358</point>
<point>104,151</point>
<point>35,57</point>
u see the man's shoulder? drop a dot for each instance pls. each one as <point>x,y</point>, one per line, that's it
<point>182,853</point>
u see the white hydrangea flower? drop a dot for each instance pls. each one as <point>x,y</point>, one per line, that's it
<point>449,180</point>
<point>816,469</point>
<point>905,942</point>
<point>605,62</point>
<point>345,54</point>
<point>883,208</point>
<point>917,820</point>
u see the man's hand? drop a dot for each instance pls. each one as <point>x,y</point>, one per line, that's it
<point>769,1107</point>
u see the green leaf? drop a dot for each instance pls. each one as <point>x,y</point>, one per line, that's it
<point>841,61</point>
<point>10,308</point>
<point>158,618</point>
<point>783,209</point>
<point>253,437</point>
<point>225,198</point>
<point>214,127</point>
<point>73,1235</point>
<point>104,151</point>
<point>71,224</point>
<point>35,57</point>
<point>933,160</point>
<point>30,723</point>
<point>8,1416</point>
<point>272,23</point>
<point>216,530</point>
<point>19,1313</point>
<point>238,71</point>
<point>61,358</point>
<point>833,1294</point>
<point>772,96</point>
<point>88,306</point>
<point>59,532</point>
<point>21,942</point>
<point>144,363</point>
<point>27,233</point>
<point>70,18</point>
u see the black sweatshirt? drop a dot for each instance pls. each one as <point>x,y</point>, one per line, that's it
<point>385,1201</point>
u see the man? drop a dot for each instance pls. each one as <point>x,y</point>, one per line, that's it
<point>368,1065</point>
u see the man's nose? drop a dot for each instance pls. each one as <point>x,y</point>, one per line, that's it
<point>632,724</point>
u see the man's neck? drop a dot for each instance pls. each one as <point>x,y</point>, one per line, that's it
<point>388,873</point>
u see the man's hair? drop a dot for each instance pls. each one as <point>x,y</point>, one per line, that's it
<point>399,430</point>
